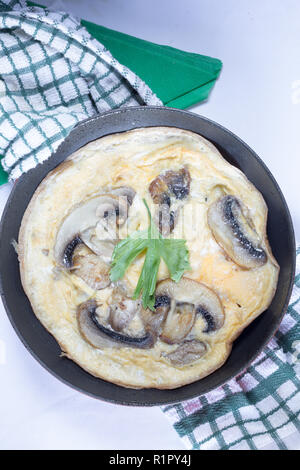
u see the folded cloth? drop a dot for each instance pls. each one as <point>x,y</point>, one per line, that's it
<point>53,74</point>
<point>257,409</point>
<point>179,78</point>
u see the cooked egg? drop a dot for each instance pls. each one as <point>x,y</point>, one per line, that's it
<point>239,281</point>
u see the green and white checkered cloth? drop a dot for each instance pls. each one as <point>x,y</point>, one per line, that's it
<point>53,74</point>
<point>257,409</point>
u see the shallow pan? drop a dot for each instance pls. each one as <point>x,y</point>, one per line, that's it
<point>280,232</point>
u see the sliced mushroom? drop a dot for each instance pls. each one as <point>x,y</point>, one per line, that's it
<point>168,190</point>
<point>89,331</point>
<point>83,223</point>
<point>112,209</point>
<point>193,298</point>
<point>179,182</point>
<point>121,314</point>
<point>187,352</point>
<point>235,232</point>
<point>69,251</point>
<point>125,314</point>
<point>102,246</point>
<point>88,319</point>
<point>90,268</point>
<point>165,219</point>
<point>170,184</point>
<point>159,191</point>
<point>179,322</point>
<point>125,191</point>
<point>81,218</point>
<point>154,320</point>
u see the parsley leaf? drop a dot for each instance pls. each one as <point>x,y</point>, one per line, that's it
<point>173,251</point>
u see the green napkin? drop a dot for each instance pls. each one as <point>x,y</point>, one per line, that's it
<point>180,79</point>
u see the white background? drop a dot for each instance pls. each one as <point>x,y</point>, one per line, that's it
<point>258,98</point>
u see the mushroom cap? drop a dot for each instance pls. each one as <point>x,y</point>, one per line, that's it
<point>83,218</point>
<point>168,190</point>
<point>101,336</point>
<point>101,247</point>
<point>89,331</point>
<point>195,293</point>
<point>170,184</point>
<point>79,219</point>
<point>90,268</point>
<point>123,309</point>
<point>235,232</point>
<point>155,320</point>
<point>124,191</point>
<point>113,208</point>
<point>187,352</point>
<point>179,322</point>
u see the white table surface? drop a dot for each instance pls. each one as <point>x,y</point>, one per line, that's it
<point>258,98</point>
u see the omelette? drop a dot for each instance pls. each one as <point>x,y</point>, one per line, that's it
<point>96,198</point>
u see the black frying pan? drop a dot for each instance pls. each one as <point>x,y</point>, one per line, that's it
<point>280,232</point>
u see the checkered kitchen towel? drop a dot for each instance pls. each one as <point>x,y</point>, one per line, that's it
<point>260,407</point>
<point>53,74</point>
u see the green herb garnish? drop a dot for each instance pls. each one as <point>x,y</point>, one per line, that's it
<point>173,251</point>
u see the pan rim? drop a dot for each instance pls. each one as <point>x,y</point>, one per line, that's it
<point>51,159</point>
